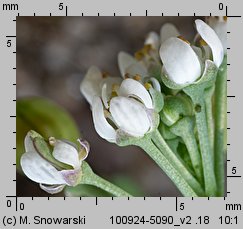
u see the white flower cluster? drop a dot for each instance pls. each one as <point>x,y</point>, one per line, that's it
<point>125,104</point>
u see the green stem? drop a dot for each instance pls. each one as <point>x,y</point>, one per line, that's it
<point>177,163</point>
<point>206,151</point>
<point>220,126</point>
<point>166,166</point>
<point>90,178</point>
<point>209,114</point>
<point>105,185</point>
<point>185,129</point>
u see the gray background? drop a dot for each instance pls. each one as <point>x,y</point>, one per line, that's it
<point>99,215</point>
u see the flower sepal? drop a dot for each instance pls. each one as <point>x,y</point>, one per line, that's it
<point>158,99</point>
<point>208,77</point>
<point>196,90</point>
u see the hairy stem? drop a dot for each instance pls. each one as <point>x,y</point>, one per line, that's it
<point>185,129</point>
<point>177,163</point>
<point>90,178</point>
<point>220,126</point>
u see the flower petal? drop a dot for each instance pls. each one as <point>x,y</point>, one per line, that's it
<point>155,83</point>
<point>52,189</point>
<point>90,86</point>
<point>167,31</point>
<point>85,148</point>
<point>66,153</point>
<point>137,69</point>
<point>211,38</point>
<point>130,116</point>
<point>131,87</point>
<point>124,61</point>
<point>220,28</point>
<point>104,96</point>
<point>153,40</point>
<point>107,87</point>
<point>28,141</point>
<point>180,61</point>
<point>39,170</point>
<point>102,127</point>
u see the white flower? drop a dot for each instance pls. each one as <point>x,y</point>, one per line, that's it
<point>213,41</point>
<point>182,63</point>
<point>130,112</point>
<point>52,177</point>
<point>153,39</point>
<point>219,25</point>
<point>167,31</point>
<point>131,67</point>
<point>93,82</point>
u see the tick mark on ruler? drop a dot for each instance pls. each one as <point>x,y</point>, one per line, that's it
<point>176,204</point>
<point>234,176</point>
<point>96,200</point>
<point>66,11</point>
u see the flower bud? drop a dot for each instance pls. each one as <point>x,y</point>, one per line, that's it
<point>174,108</point>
